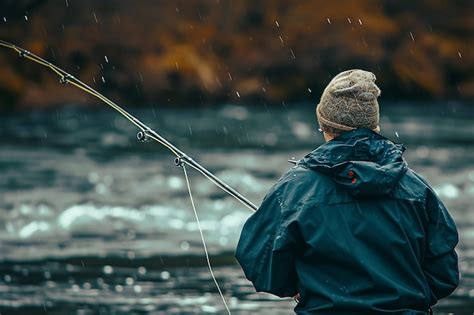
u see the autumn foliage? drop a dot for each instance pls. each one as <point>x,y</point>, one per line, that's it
<point>251,52</point>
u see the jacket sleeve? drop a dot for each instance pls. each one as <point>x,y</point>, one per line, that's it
<point>441,262</point>
<point>268,246</point>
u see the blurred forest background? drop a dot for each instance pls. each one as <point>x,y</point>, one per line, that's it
<point>248,52</point>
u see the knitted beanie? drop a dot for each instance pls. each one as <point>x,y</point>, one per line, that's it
<point>349,102</point>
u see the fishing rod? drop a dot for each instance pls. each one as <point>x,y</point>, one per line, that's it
<point>145,132</point>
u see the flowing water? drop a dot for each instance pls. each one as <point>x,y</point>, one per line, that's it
<point>94,222</point>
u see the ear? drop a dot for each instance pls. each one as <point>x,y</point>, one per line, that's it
<point>328,136</point>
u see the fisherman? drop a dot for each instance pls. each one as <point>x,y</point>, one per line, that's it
<point>351,229</point>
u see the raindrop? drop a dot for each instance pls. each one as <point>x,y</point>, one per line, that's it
<point>4,19</point>
<point>176,183</point>
<point>108,269</point>
<point>103,80</point>
<point>230,76</point>
<point>106,59</point>
<point>93,177</point>
<point>137,288</point>
<point>238,94</point>
<point>349,20</point>
<point>459,54</point>
<point>309,90</point>
<point>281,40</point>
<point>396,134</point>
<point>263,89</point>
<point>293,57</point>
<point>67,3</point>
<point>177,10</point>
<point>277,24</point>
<point>329,21</point>
<point>100,188</point>
<point>184,246</point>
<point>26,18</point>
<point>360,21</point>
<point>411,35</point>
<point>95,17</point>
<point>448,190</point>
<point>165,275</point>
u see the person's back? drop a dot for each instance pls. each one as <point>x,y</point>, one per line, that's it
<point>351,228</point>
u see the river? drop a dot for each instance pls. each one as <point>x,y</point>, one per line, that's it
<point>94,222</point>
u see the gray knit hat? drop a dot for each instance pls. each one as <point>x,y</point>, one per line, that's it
<point>349,102</point>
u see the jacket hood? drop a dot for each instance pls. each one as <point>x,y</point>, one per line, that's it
<point>362,161</point>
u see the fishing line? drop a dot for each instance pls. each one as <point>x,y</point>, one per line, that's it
<point>146,133</point>
<point>202,239</point>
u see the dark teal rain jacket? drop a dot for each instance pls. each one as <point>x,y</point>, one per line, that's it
<point>354,231</point>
